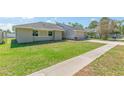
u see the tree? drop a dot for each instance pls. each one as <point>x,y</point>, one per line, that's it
<point>8,31</point>
<point>75,24</point>
<point>0,29</point>
<point>104,18</point>
<point>120,25</point>
<point>91,34</point>
<point>113,27</point>
<point>122,28</point>
<point>106,26</point>
<point>86,27</point>
<point>93,24</point>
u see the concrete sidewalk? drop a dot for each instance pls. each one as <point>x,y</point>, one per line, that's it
<point>73,65</point>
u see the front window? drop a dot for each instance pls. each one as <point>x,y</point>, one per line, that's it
<point>35,33</point>
<point>50,33</point>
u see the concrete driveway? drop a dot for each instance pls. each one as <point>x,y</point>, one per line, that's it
<point>107,42</point>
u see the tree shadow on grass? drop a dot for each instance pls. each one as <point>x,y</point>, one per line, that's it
<point>14,43</point>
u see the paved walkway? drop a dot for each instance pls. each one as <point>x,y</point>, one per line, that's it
<point>73,65</point>
<point>107,42</point>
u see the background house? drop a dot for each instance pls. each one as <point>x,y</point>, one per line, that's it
<point>72,32</point>
<point>92,33</point>
<point>10,35</point>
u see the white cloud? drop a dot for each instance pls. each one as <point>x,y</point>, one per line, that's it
<point>52,20</point>
<point>27,17</point>
<point>55,18</point>
<point>49,21</point>
<point>6,26</point>
<point>93,19</point>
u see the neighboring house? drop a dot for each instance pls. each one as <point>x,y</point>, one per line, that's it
<point>92,33</point>
<point>91,30</point>
<point>42,31</point>
<point>1,37</point>
<point>72,32</point>
<point>10,35</point>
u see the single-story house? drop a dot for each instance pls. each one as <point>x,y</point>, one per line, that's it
<point>39,31</point>
<point>1,37</point>
<point>42,31</point>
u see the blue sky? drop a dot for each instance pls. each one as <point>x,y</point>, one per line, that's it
<point>8,22</point>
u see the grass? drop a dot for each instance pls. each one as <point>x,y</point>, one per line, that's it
<point>110,64</point>
<point>24,59</point>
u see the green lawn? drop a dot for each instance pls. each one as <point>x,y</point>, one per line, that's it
<point>110,64</point>
<point>23,59</point>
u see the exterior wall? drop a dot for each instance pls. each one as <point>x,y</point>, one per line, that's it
<point>42,33</point>
<point>58,35</point>
<point>24,35</point>
<point>1,37</point>
<point>70,34</point>
<point>68,31</point>
<point>79,34</point>
<point>42,36</point>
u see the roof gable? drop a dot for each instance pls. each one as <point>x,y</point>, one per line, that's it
<point>40,26</point>
<point>70,27</point>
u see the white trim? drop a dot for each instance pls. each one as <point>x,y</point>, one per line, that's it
<point>42,36</point>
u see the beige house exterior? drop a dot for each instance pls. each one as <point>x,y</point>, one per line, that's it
<point>1,37</point>
<point>38,32</point>
<point>42,31</point>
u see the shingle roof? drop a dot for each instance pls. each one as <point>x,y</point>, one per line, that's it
<point>78,28</point>
<point>41,26</point>
<point>69,27</point>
